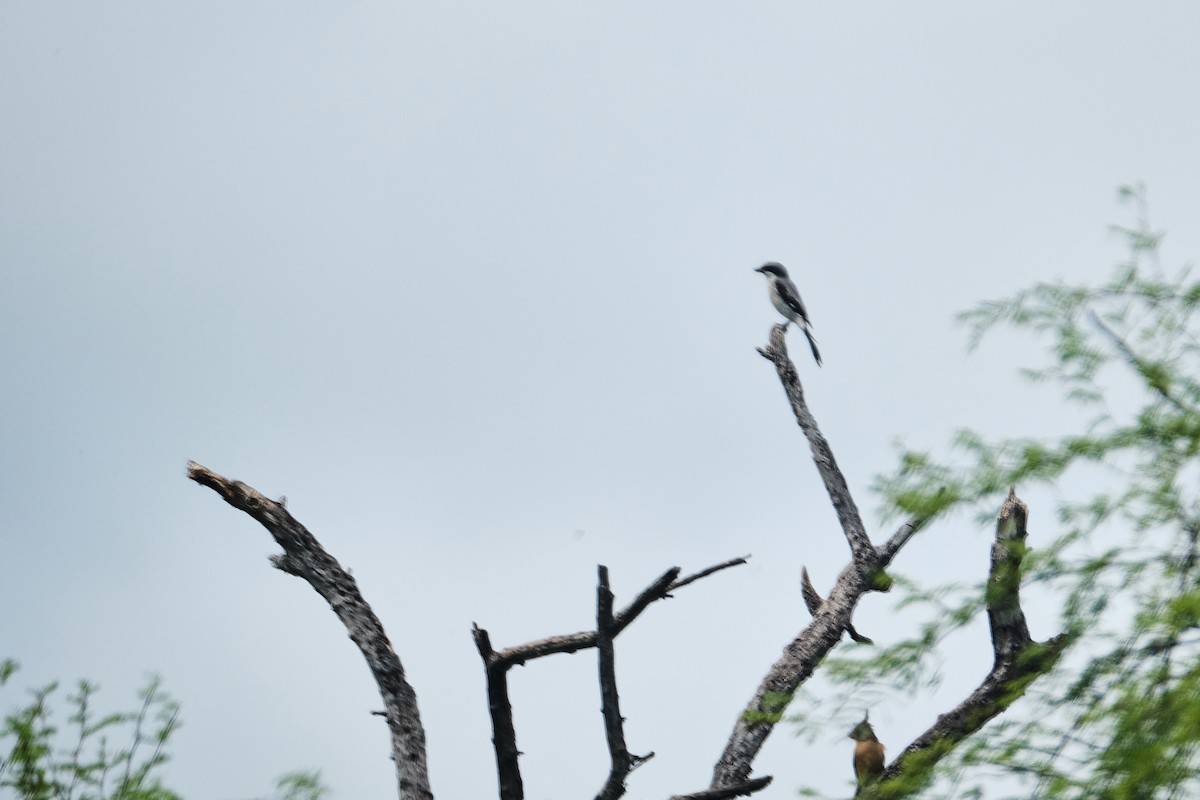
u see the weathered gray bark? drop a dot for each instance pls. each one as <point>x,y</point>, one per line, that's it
<point>813,600</point>
<point>861,549</point>
<point>304,557</point>
<point>833,616</point>
<point>1017,657</point>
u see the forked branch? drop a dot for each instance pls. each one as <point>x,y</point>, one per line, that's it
<point>661,589</point>
<point>813,600</point>
<point>498,663</point>
<point>832,615</point>
<point>1018,660</point>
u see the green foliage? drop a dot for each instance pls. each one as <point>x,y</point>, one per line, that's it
<point>1120,716</point>
<point>301,786</point>
<point>773,706</point>
<point>90,767</point>
<point>881,581</point>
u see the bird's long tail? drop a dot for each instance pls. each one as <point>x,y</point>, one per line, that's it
<point>812,344</point>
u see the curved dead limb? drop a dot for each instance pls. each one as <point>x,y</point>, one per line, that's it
<point>304,557</point>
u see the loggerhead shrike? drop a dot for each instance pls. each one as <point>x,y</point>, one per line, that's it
<point>786,300</point>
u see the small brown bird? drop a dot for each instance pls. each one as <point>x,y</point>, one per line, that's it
<point>868,755</point>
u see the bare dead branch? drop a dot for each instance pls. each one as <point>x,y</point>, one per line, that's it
<point>570,643</point>
<point>704,573</point>
<point>658,590</point>
<point>832,616</point>
<point>504,734</point>
<point>796,665</point>
<point>813,599</point>
<point>1010,633</point>
<point>623,762</point>
<point>888,549</point>
<point>737,790</point>
<point>304,557</point>
<point>835,483</point>
<point>1018,662</point>
<point>497,665</point>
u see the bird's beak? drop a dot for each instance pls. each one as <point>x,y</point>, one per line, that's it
<point>759,269</point>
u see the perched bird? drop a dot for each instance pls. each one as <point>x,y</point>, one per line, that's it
<point>868,755</point>
<point>786,300</point>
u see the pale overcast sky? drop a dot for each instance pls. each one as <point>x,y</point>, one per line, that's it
<point>471,284</point>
